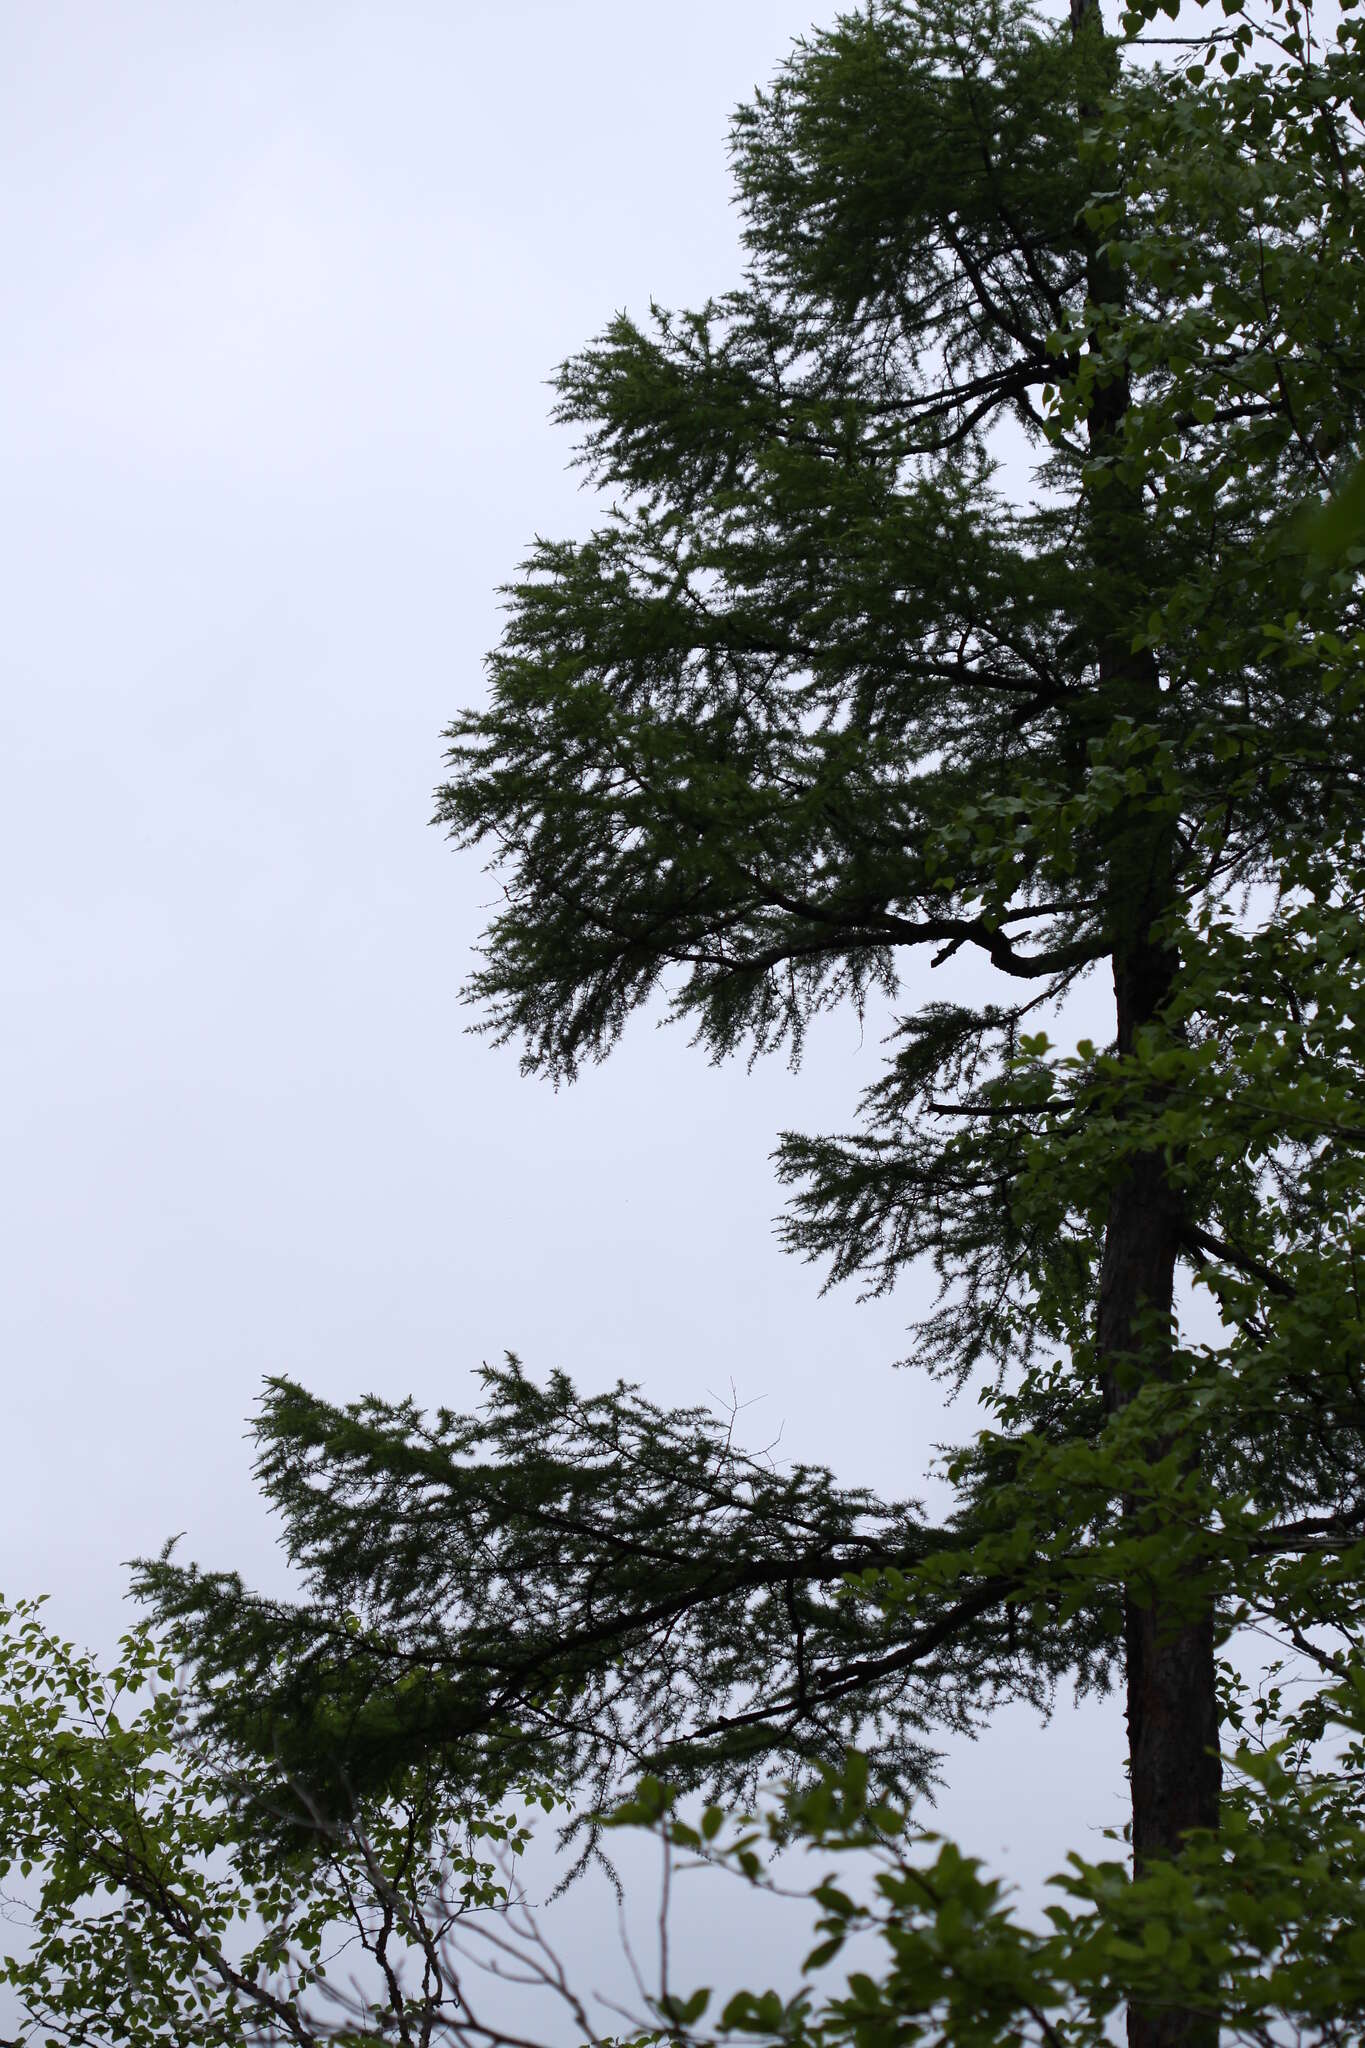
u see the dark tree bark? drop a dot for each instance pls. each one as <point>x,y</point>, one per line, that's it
<point>1175,1774</point>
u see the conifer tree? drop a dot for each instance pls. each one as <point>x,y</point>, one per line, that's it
<point>827,702</point>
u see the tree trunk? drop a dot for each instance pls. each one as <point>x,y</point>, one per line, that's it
<point>1175,1775</point>
<point>1174,1770</point>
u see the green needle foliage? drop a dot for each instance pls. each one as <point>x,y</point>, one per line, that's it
<point>585,1586</point>
<point>831,699</point>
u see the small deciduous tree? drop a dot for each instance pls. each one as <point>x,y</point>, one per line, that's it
<point>155,1917</point>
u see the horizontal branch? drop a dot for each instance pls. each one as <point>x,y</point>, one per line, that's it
<point>852,1677</point>
<point>998,1108</point>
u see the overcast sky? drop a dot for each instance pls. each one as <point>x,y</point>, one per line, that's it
<point>282,285</point>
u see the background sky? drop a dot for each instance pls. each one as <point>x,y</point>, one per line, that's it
<point>282,285</point>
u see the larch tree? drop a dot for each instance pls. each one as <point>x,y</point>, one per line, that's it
<point>829,699</point>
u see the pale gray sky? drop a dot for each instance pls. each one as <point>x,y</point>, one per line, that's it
<point>282,285</point>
